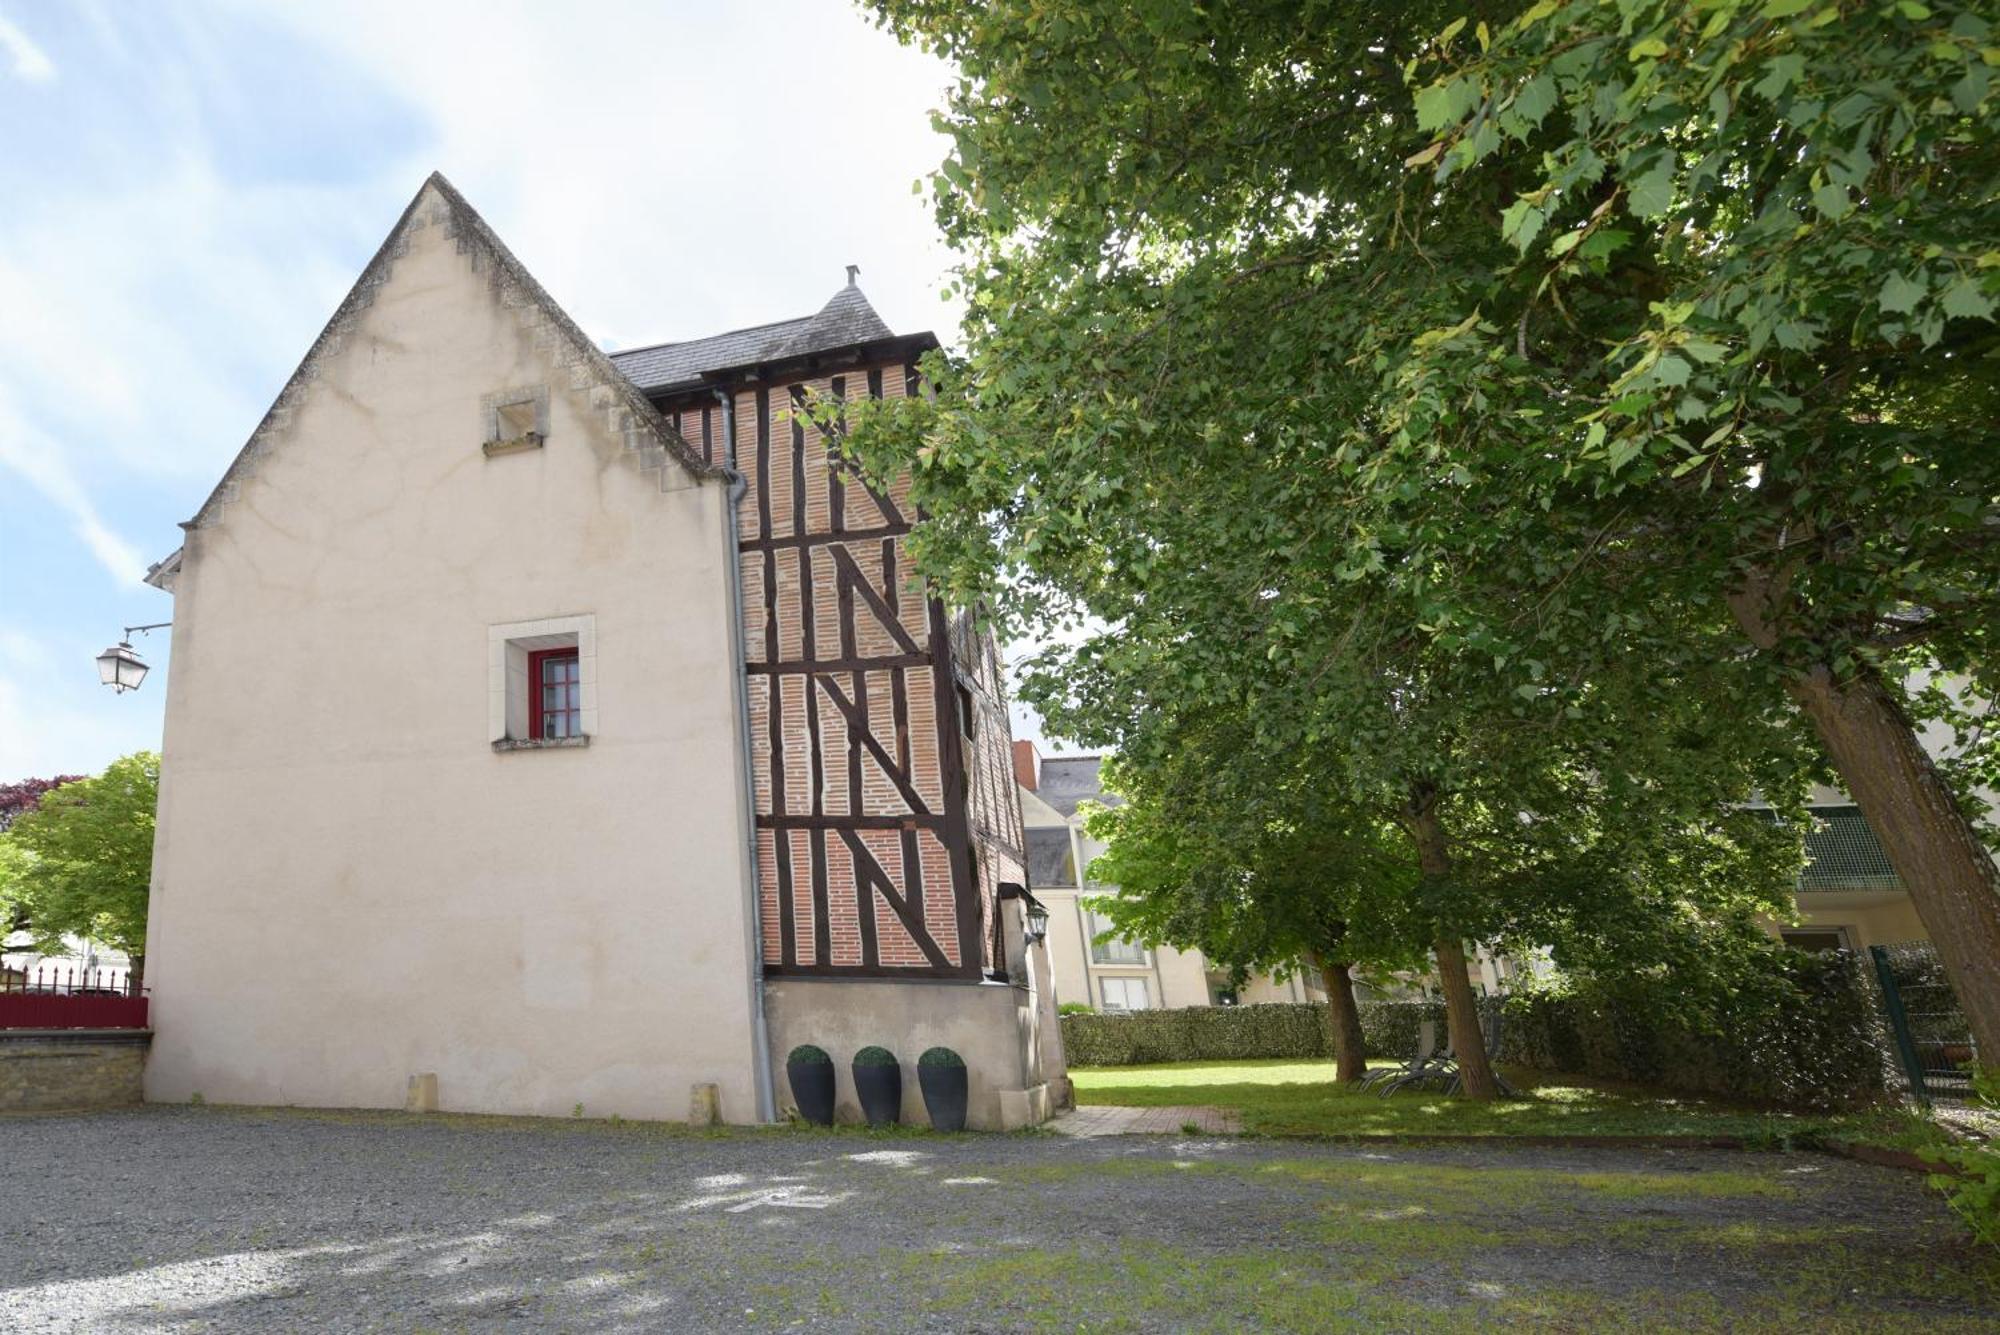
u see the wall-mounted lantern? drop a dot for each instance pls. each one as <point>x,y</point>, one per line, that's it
<point>1037,915</point>
<point>120,666</point>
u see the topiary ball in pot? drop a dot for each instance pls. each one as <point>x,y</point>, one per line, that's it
<point>810,1071</point>
<point>941,1073</point>
<point>878,1081</point>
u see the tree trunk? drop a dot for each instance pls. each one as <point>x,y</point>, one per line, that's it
<point>135,982</point>
<point>1461,1019</point>
<point>1937,854</point>
<point>1343,1021</point>
<point>1461,1006</point>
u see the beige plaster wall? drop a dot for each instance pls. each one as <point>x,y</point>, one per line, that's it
<point>350,884</point>
<point>1182,975</point>
<point>1872,918</point>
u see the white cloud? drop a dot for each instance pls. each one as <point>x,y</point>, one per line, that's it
<point>36,461</point>
<point>31,63</point>
<point>669,171</point>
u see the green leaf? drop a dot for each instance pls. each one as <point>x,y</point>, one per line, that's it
<point>1671,370</point>
<point>1967,300</point>
<point>1604,242</point>
<point>1832,201</point>
<point>1650,195</point>
<point>1970,91</point>
<point>1900,294</point>
<point>1521,222</point>
<point>1781,73</point>
<point>1536,98</point>
<point>1437,106</point>
<point>1647,49</point>
<point>1784,9</point>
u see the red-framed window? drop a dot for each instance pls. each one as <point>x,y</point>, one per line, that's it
<point>555,685</point>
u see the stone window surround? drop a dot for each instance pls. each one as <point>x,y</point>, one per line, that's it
<point>507,687</point>
<point>494,441</point>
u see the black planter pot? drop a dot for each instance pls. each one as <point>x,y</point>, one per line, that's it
<point>944,1095</point>
<point>812,1089</point>
<point>881,1091</point>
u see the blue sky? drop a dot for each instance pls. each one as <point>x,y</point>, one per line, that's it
<point>191,188</point>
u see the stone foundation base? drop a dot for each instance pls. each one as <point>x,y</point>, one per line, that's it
<point>43,1070</point>
<point>992,1026</point>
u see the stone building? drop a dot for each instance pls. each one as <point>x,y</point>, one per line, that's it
<point>569,728</point>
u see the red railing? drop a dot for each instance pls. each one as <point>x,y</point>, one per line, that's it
<point>54,996</point>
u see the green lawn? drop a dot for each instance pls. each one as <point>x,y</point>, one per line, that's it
<point>1292,1098</point>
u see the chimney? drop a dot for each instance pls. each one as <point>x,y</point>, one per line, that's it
<point>853,272</point>
<point>1026,764</point>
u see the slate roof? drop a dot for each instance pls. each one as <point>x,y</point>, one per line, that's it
<point>1067,780</point>
<point>1051,865</point>
<point>844,321</point>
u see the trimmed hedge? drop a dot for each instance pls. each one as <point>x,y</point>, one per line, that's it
<point>1824,1048</point>
<point>1819,1047</point>
<point>1295,1029</point>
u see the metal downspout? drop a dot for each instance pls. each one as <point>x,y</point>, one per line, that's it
<point>746,799</point>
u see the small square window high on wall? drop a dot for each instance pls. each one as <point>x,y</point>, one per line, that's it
<point>542,683</point>
<point>512,420</point>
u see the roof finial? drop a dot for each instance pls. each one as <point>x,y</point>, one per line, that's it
<point>853,272</point>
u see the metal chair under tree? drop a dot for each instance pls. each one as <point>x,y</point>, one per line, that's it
<point>1421,1065</point>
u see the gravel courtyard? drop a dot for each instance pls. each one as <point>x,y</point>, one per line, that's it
<point>218,1219</point>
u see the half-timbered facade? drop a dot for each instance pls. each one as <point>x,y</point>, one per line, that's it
<point>683,601</point>
<point>884,832</point>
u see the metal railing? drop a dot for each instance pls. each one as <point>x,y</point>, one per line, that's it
<point>56,978</point>
<point>58,995</point>
<point>1928,1032</point>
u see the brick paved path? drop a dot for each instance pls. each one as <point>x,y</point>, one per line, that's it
<point>1106,1120</point>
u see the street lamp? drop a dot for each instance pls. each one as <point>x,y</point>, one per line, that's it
<point>120,666</point>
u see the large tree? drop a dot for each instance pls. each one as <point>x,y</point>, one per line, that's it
<point>1263,310</point>
<point>80,863</point>
<point>1248,858</point>
<point>15,800</point>
<point>1606,824</point>
<point>1754,311</point>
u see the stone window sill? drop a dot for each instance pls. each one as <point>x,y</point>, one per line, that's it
<point>538,743</point>
<point>531,441</point>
